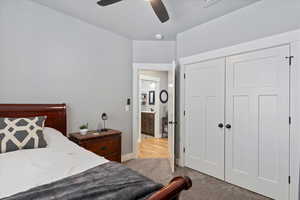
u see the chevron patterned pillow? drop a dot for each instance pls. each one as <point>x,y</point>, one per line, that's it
<point>21,133</point>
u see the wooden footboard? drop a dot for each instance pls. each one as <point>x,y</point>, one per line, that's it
<point>173,189</point>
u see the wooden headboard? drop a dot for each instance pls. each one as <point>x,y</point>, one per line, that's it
<point>56,113</point>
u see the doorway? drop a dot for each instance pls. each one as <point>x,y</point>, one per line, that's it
<point>153,111</point>
<point>153,128</point>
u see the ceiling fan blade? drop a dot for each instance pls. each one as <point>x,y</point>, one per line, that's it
<point>107,2</point>
<point>160,10</point>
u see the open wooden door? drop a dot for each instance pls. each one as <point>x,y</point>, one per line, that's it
<point>171,116</point>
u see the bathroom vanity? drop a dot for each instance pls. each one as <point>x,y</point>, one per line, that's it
<point>148,123</point>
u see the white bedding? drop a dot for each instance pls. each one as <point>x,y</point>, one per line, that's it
<point>25,169</point>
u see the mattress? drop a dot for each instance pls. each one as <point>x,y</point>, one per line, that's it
<point>26,169</point>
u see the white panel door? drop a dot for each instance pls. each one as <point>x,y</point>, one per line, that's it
<point>257,108</point>
<point>205,84</point>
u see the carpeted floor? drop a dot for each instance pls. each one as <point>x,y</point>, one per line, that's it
<point>204,187</point>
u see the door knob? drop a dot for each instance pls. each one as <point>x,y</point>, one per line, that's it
<point>228,126</point>
<point>221,125</point>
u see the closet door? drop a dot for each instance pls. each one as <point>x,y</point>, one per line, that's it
<point>257,109</point>
<point>205,83</point>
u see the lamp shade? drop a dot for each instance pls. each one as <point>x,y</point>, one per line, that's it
<point>104,116</point>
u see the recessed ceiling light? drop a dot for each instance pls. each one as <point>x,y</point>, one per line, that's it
<point>159,36</point>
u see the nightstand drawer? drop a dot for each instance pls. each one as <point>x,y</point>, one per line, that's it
<point>103,146</point>
<point>106,144</point>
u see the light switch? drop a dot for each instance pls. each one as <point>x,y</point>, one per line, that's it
<point>128,102</point>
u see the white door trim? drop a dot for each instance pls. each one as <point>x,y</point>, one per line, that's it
<point>267,42</point>
<point>292,38</point>
<point>135,96</point>
<point>295,125</point>
<point>149,78</point>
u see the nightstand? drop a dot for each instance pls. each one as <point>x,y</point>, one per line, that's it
<point>106,144</point>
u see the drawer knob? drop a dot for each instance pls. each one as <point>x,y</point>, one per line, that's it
<point>103,148</point>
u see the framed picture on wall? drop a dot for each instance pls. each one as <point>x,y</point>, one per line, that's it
<point>152,97</point>
<point>164,96</point>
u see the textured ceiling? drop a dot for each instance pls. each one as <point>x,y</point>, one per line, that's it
<point>136,20</point>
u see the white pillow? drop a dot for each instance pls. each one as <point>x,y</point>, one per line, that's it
<point>54,137</point>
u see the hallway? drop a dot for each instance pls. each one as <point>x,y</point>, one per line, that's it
<point>153,148</point>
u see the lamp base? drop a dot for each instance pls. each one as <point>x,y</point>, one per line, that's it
<point>104,130</point>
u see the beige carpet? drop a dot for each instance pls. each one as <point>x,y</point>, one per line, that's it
<point>204,187</point>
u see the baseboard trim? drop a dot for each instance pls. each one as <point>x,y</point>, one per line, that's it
<point>179,162</point>
<point>129,156</point>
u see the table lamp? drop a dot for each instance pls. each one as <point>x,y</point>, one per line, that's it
<point>104,117</point>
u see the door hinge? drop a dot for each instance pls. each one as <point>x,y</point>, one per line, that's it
<point>290,120</point>
<point>289,179</point>
<point>184,113</point>
<point>183,149</point>
<point>290,59</point>
<point>184,75</point>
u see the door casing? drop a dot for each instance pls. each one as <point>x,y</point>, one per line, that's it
<point>135,98</point>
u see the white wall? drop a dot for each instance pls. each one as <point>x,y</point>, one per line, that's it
<point>264,18</point>
<point>154,51</point>
<point>49,57</point>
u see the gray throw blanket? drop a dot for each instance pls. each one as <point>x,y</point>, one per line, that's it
<point>110,181</point>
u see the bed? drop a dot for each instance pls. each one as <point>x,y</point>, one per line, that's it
<point>64,170</point>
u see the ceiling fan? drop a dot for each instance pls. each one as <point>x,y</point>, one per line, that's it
<point>157,5</point>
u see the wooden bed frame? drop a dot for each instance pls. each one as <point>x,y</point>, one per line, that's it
<point>57,118</point>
